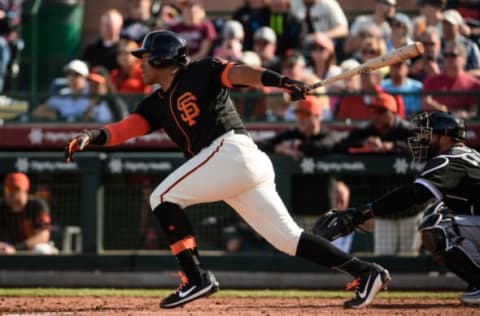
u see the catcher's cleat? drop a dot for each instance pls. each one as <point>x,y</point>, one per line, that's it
<point>367,286</point>
<point>188,291</point>
<point>471,295</point>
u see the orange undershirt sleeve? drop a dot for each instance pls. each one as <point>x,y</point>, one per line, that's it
<point>225,81</point>
<point>132,126</point>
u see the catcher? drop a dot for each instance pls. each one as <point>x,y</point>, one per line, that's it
<point>450,227</point>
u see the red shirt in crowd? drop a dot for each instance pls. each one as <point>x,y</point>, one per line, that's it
<point>195,34</point>
<point>355,107</point>
<point>464,82</point>
<point>131,82</point>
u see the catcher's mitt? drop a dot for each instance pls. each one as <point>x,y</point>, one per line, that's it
<point>335,224</point>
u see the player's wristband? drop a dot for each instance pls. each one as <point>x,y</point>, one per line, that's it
<point>271,78</point>
<point>97,136</point>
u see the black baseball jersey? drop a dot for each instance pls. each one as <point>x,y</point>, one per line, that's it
<point>196,108</point>
<point>15,227</point>
<point>454,177</point>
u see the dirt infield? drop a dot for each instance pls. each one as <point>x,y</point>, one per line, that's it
<point>142,306</point>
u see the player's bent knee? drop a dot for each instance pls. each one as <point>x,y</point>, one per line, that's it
<point>287,244</point>
<point>154,201</point>
<point>173,220</point>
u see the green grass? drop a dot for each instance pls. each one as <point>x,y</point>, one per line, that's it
<point>223,293</point>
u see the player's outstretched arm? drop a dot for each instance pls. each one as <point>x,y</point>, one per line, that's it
<point>243,75</point>
<point>110,135</point>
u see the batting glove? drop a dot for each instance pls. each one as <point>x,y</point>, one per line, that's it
<point>296,89</point>
<point>78,143</point>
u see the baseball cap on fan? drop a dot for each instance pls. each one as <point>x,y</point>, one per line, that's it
<point>17,181</point>
<point>310,105</point>
<point>389,2</point>
<point>384,101</point>
<point>265,33</point>
<point>77,66</point>
<point>452,16</point>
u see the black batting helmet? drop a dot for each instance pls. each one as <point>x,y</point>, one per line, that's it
<point>165,47</point>
<point>428,123</point>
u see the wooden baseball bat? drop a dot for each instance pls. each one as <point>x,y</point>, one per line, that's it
<point>396,56</point>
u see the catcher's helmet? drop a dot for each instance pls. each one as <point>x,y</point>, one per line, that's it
<point>165,47</point>
<point>428,123</point>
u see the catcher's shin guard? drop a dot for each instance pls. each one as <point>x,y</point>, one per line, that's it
<point>461,263</point>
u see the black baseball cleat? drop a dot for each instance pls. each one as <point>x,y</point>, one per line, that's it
<point>189,291</point>
<point>367,286</point>
<point>471,295</point>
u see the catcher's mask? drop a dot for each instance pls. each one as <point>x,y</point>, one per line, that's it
<point>428,123</point>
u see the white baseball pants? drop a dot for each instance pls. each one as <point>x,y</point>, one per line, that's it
<point>234,170</point>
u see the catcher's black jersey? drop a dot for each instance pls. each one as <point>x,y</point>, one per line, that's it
<point>454,177</point>
<point>196,108</point>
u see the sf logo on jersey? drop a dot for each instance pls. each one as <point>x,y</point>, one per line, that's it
<point>187,104</point>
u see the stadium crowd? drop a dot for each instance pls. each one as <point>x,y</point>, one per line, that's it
<point>308,40</point>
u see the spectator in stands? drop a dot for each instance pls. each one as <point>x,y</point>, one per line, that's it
<point>397,235</point>
<point>470,11</point>
<point>399,82</point>
<point>385,132</point>
<point>431,61</point>
<point>383,13</point>
<point>290,31</point>
<point>322,56</point>
<point>11,43</point>
<point>5,58</point>
<point>308,137</point>
<point>356,107</point>
<point>231,42</point>
<point>128,77</point>
<point>253,14</point>
<point>24,220</point>
<point>454,79</point>
<point>431,16</point>
<point>324,64</point>
<point>402,31</point>
<point>196,28</point>
<point>352,45</point>
<point>71,102</point>
<point>167,16</point>
<point>451,25</point>
<point>103,106</point>
<point>103,51</point>
<point>342,201</point>
<point>347,86</point>
<point>250,102</point>
<point>265,45</point>
<point>293,66</point>
<point>370,48</point>
<point>138,20</point>
<point>322,17</point>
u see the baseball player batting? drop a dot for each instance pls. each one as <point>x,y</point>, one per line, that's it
<point>194,108</point>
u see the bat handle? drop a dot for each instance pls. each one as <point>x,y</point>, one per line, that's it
<point>286,95</point>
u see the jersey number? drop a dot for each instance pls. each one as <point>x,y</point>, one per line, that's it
<point>473,158</point>
<point>187,104</point>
